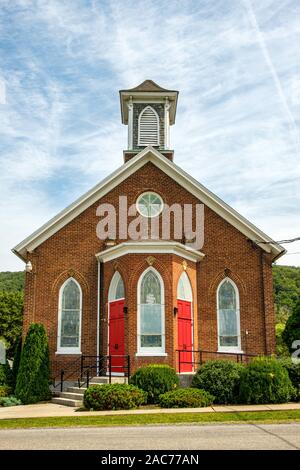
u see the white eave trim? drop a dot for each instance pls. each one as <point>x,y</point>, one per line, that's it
<point>148,154</point>
<point>150,247</point>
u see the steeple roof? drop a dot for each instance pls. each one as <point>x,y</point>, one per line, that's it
<point>150,86</point>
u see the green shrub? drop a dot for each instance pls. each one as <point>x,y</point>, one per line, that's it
<point>10,401</point>
<point>185,398</point>
<point>16,362</point>
<point>265,380</point>
<point>113,397</point>
<point>155,380</point>
<point>11,319</point>
<point>220,378</point>
<point>6,374</point>
<point>34,371</point>
<point>294,375</point>
<point>5,390</point>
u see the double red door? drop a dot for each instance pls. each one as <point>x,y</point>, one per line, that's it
<point>116,347</point>
<point>185,335</point>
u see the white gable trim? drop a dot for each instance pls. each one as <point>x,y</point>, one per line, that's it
<point>149,154</point>
<point>153,247</point>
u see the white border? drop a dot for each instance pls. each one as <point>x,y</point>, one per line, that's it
<point>151,351</point>
<point>66,350</point>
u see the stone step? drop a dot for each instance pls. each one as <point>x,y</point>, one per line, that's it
<point>105,380</point>
<point>76,390</point>
<point>67,402</point>
<point>72,395</point>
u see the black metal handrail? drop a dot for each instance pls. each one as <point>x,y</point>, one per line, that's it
<point>71,371</point>
<point>104,367</point>
<point>240,357</point>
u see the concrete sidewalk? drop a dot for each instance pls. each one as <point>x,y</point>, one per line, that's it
<point>42,410</point>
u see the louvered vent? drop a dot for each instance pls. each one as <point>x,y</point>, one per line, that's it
<point>148,127</point>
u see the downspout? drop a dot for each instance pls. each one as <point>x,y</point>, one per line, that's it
<point>98,312</point>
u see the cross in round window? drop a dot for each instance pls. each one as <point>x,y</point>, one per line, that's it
<point>149,204</point>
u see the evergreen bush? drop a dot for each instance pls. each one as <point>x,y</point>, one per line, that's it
<point>34,372</point>
<point>113,397</point>
<point>185,398</point>
<point>265,380</point>
<point>221,379</point>
<point>155,380</point>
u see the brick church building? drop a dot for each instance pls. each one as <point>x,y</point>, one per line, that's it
<point>146,290</point>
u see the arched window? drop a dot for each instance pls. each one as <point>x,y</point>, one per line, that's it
<point>116,288</point>
<point>148,132</point>
<point>229,337</point>
<point>151,315</point>
<point>69,317</point>
<point>184,290</point>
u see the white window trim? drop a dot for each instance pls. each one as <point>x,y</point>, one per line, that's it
<point>140,197</point>
<point>187,288</point>
<point>151,351</point>
<point>64,350</point>
<point>139,127</point>
<point>230,349</point>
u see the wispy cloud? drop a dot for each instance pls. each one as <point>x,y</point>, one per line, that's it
<point>237,67</point>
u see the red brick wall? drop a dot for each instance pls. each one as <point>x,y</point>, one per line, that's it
<point>71,252</point>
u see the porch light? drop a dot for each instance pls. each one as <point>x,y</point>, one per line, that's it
<point>175,311</point>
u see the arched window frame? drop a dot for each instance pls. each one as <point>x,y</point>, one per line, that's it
<point>186,287</point>
<point>68,350</point>
<point>113,287</point>
<point>237,296</point>
<point>157,127</point>
<point>142,351</point>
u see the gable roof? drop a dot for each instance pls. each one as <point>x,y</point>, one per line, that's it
<point>148,154</point>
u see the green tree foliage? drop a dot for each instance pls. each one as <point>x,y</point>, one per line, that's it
<point>34,371</point>
<point>286,280</point>
<point>12,281</point>
<point>11,318</point>
<point>291,332</point>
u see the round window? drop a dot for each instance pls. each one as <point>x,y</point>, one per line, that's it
<point>149,204</point>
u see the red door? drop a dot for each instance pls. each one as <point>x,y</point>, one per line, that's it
<point>116,346</point>
<point>185,338</point>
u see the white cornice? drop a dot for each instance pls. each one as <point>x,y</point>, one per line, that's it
<point>148,154</point>
<point>150,247</point>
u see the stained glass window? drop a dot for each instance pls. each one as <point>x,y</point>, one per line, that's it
<point>70,313</point>
<point>228,315</point>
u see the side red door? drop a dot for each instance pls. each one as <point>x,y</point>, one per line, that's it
<point>185,337</point>
<point>116,347</point>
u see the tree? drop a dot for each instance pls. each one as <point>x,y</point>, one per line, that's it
<point>34,372</point>
<point>291,332</point>
<point>11,319</point>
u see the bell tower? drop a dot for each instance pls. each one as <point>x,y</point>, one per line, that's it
<point>148,110</point>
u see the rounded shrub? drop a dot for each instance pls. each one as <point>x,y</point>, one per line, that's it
<point>34,371</point>
<point>113,397</point>
<point>221,379</point>
<point>293,369</point>
<point>10,401</point>
<point>265,380</point>
<point>5,391</point>
<point>185,398</point>
<point>155,380</point>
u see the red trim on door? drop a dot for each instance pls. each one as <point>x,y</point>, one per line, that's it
<point>116,343</point>
<point>185,335</point>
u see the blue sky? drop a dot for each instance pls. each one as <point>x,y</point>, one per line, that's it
<point>236,64</point>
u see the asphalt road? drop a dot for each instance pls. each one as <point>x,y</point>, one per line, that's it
<point>245,436</point>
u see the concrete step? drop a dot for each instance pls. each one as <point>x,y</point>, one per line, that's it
<point>105,380</point>
<point>67,402</point>
<point>76,390</point>
<point>72,396</point>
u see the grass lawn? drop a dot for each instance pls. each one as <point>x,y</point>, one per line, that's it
<point>157,418</point>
